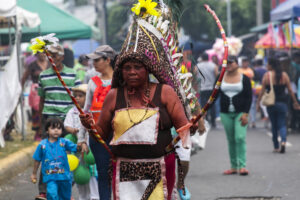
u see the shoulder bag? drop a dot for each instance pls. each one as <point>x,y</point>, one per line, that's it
<point>268,98</point>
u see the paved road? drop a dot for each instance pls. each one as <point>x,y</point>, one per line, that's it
<point>270,174</point>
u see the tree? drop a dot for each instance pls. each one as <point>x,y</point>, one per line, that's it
<point>201,26</point>
<point>197,22</point>
<point>117,17</point>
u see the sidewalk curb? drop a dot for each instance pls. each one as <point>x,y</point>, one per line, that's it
<point>15,163</point>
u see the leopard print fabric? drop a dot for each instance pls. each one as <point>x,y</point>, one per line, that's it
<point>160,67</point>
<point>133,171</point>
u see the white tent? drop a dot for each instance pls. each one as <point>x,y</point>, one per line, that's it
<point>10,88</point>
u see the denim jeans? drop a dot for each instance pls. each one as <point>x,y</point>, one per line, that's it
<point>277,115</point>
<point>102,159</point>
<point>211,113</point>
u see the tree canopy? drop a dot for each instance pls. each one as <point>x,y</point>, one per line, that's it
<point>201,26</point>
<point>195,21</point>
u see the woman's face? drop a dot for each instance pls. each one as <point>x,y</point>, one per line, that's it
<point>101,64</point>
<point>232,66</point>
<point>134,74</point>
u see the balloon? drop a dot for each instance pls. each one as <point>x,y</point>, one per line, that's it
<point>73,161</point>
<point>89,158</point>
<point>72,138</point>
<point>82,175</point>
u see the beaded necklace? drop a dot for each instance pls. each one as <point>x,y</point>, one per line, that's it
<point>145,99</point>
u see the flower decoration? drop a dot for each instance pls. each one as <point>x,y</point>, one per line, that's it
<point>39,44</point>
<point>145,7</point>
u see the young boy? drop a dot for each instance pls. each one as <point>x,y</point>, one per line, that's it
<point>55,167</point>
<point>73,125</point>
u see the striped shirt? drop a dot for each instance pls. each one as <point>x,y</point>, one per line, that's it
<point>56,99</point>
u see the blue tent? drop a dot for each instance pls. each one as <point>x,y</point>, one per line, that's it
<point>286,10</point>
<point>84,46</point>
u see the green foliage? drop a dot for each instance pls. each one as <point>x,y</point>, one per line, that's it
<point>117,17</point>
<point>79,2</point>
<point>198,23</point>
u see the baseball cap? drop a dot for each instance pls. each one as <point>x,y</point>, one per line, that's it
<point>102,51</point>
<point>56,49</point>
<point>80,88</point>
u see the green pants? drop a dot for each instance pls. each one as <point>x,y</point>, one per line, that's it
<point>236,137</point>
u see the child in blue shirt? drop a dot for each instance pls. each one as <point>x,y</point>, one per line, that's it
<point>55,167</point>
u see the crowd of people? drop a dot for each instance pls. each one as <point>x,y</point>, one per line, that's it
<point>132,101</point>
<point>242,89</point>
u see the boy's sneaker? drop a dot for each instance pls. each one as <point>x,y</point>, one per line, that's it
<point>41,196</point>
<point>187,195</point>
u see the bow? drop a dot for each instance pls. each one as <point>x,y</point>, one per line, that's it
<point>216,89</point>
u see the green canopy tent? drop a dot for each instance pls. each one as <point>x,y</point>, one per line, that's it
<point>53,20</point>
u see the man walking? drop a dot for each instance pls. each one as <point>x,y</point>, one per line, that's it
<point>210,72</point>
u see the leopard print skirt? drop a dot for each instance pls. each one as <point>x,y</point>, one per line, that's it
<point>143,179</point>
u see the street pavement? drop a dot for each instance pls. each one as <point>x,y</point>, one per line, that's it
<point>271,174</point>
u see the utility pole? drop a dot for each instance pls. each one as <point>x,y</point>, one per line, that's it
<point>229,26</point>
<point>259,13</point>
<point>102,19</point>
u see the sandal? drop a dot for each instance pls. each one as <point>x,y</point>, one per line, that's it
<point>230,172</point>
<point>244,172</point>
<point>186,196</point>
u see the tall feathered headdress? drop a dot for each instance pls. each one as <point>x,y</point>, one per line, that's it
<point>153,40</point>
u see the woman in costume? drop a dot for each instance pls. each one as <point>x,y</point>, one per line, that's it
<point>277,112</point>
<point>104,60</point>
<point>139,114</point>
<point>235,98</point>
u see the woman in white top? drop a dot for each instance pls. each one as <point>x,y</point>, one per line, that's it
<point>236,97</point>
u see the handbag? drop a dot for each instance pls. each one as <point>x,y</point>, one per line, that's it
<point>268,98</point>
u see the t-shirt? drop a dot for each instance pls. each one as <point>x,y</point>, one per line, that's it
<point>72,119</point>
<point>57,101</point>
<point>80,71</point>
<point>54,159</point>
<point>207,68</point>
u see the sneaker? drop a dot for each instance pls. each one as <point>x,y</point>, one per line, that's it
<point>41,196</point>
<point>187,195</point>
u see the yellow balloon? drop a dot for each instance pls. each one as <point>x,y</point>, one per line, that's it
<point>73,162</point>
